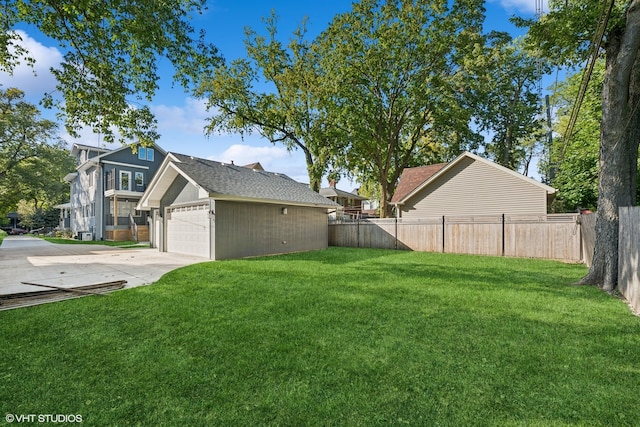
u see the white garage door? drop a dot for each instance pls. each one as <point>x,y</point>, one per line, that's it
<point>188,230</point>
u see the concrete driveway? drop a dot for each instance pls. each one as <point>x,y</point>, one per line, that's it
<point>29,259</point>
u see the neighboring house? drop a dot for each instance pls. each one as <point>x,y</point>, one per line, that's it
<point>106,188</point>
<point>256,166</point>
<point>64,222</point>
<point>351,203</point>
<point>468,186</point>
<point>370,207</point>
<point>223,211</point>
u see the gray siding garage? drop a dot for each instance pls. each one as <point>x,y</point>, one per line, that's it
<point>224,211</point>
<point>252,229</point>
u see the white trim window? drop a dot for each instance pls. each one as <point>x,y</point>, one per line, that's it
<point>125,180</point>
<point>146,153</point>
<point>139,179</point>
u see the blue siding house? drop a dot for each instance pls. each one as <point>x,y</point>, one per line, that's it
<point>105,189</point>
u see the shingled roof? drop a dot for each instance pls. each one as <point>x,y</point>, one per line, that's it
<point>232,182</point>
<point>334,192</point>
<point>412,178</point>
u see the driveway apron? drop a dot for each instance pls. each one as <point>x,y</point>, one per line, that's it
<point>33,260</point>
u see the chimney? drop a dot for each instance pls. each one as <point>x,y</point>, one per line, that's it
<point>332,183</point>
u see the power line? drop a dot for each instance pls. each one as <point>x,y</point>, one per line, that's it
<point>539,12</point>
<point>594,49</point>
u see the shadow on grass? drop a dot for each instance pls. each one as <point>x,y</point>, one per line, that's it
<point>332,256</point>
<point>375,267</point>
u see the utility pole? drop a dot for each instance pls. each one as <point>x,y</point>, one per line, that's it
<point>552,170</point>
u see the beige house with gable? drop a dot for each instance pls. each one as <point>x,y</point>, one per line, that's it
<point>468,186</point>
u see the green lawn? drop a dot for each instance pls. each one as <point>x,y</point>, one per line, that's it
<point>343,337</point>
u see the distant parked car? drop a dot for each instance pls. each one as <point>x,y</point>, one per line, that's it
<point>17,231</point>
<point>37,231</point>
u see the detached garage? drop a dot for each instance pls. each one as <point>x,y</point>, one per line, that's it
<point>224,211</point>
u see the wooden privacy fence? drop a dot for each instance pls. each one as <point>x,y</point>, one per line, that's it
<point>541,236</point>
<point>629,255</point>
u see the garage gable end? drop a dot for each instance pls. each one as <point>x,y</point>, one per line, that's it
<point>180,191</point>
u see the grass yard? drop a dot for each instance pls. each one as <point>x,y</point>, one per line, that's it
<point>119,244</point>
<point>343,337</point>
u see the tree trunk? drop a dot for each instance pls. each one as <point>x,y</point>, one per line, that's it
<point>618,146</point>
<point>506,155</point>
<point>385,206</point>
<point>315,181</point>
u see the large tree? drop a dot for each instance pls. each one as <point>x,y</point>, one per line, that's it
<point>272,92</point>
<point>39,181</point>
<point>507,104</point>
<point>564,34</point>
<point>394,81</point>
<point>22,131</point>
<point>33,160</point>
<point>112,50</point>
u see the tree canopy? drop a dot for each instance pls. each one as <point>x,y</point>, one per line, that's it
<point>272,92</point>
<point>508,107</point>
<point>33,160</point>
<point>388,85</point>
<point>111,54</point>
<point>394,81</point>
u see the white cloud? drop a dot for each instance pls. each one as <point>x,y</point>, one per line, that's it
<point>522,6</point>
<point>242,154</point>
<point>189,118</point>
<point>37,80</point>
<point>273,158</point>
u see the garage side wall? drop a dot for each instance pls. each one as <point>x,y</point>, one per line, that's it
<point>253,229</point>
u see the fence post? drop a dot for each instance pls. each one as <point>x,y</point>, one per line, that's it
<point>396,233</point>
<point>358,233</point>
<point>443,234</point>
<point>503,236</point>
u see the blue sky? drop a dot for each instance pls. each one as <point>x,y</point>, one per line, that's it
<point>181,119</point>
